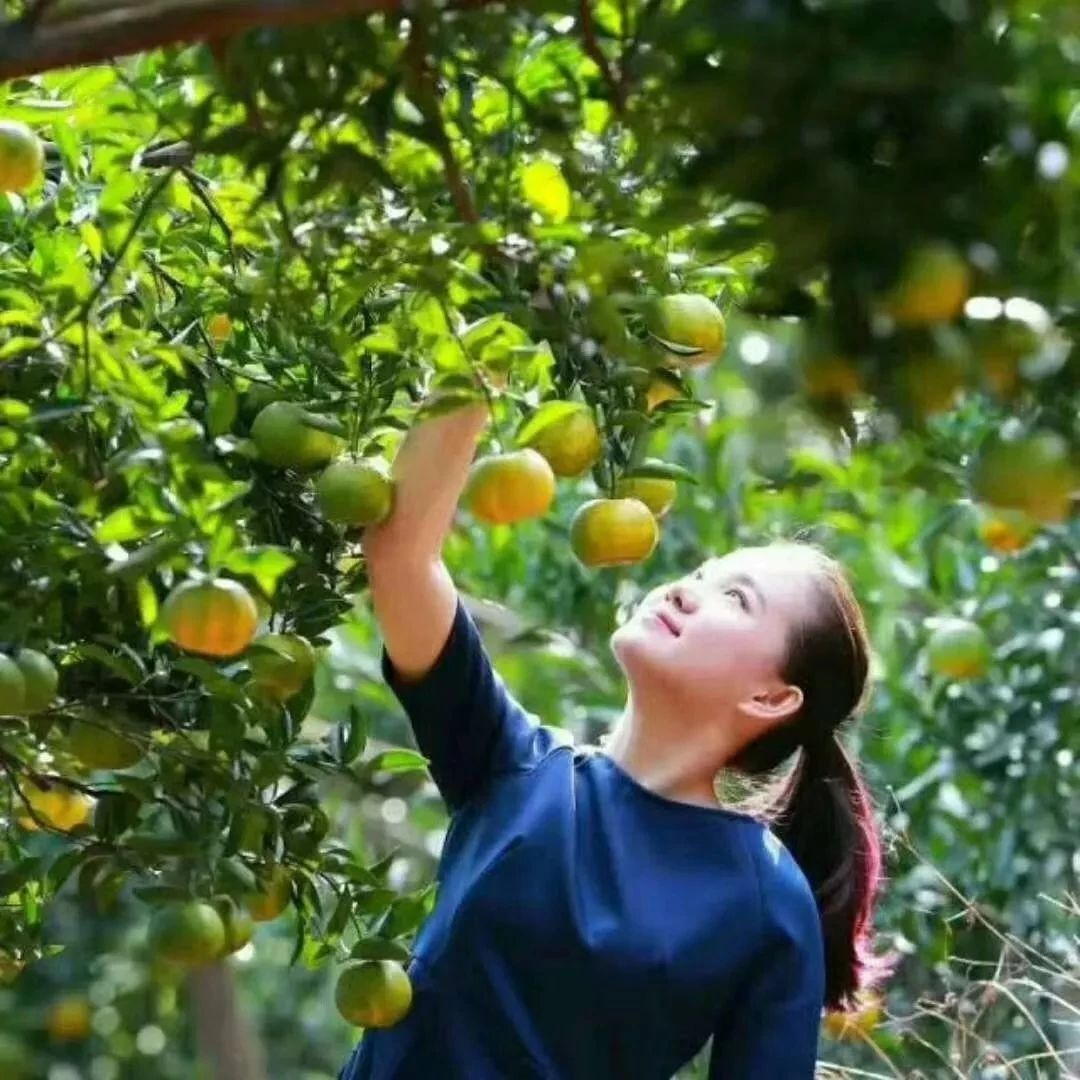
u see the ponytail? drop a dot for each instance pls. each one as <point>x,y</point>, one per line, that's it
<point>822,809</point>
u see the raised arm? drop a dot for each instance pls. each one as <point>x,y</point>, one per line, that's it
<point>412,592</point>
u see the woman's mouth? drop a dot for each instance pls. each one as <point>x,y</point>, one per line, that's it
<point>666,621</point>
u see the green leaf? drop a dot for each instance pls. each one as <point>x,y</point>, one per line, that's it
<point>380,948</point>
<point>121,664</point>
<point>221,406</point>
<point>267,565</point>
<point>551,412</point>
<point>662,470</point>
<point>545,189</point>
<point>397,761</point>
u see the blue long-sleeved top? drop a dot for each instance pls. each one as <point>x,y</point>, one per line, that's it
<point>585,927</point>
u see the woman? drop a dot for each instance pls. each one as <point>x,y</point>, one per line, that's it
<point>599,914</point>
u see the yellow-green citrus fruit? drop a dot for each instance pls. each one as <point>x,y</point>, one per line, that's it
<point>41,679</point>
<point>273,900</point>
<point>830,377</point>
<point>1006,531</point>
<point>934,285</point>
<point>187,934</point>
<point>506,488</point>
<point>1036,474</point>
<point>958,649</point>
<point>12,688</point>
<point>1000,346</point>
<point>355,491</point>
<point>68,1019</point>
<point>570,445</point>
<point>215,617</point>
<point>97,743</point>
<point>373,993</point>
<point>284,664</point>
<point>930,384</point>
<point>22,157</point>
<point>690,321</point>
<point>663,387</point>
<point>219,327</point>
<point>656,492</point>
<point>613,532</point>
<point>284,439</point>
<point>59,807</point>
<point>238,923</point>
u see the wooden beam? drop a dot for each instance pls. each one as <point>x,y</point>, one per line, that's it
<point>90,35</point>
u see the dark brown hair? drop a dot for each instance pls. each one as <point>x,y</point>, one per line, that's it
<point>821,809</point>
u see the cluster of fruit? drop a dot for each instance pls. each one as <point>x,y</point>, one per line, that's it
<point>505,488</point>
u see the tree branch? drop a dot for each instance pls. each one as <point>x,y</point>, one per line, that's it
<point>71,36</point>
<point>596,54</point>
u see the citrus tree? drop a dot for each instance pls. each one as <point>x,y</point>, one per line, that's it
<point>719,271</point>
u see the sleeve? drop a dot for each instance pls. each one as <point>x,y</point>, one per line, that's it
<point>464,720</point>
<point>772,1028</point>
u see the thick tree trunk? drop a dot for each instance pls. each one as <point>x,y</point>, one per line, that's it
<point>228,1048</point>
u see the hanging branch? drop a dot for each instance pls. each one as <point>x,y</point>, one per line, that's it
<point>87,34</point>
<point>596,54</point>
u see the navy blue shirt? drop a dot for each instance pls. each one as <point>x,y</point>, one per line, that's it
<point>586,927</point>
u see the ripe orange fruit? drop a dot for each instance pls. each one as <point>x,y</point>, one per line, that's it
<point>354,491</point>
<point>284,438</point>
<point>934,285</point>
<point>570,445</point>
<point>656,492</point>
<point>690,327</point>
<point>219,327</point>
<point>373,993</point>
<point>958,649</point>
<point>22,157</point>
<point>12,688</point>
<point>68,1019</point>
<point>239,926</point>
<point>274,899</point>
<point>1036,474</point>
<point>613,532</point>
<point>510,487</point>
<point>663,387</point>
<point>1000,345</point>
<point>60,807</point>
<point>1006,531</point>
<point>284,664</point>
<point>41,679</point>
<point>188,934</point>
<point>97,743</point>
<point>853,1025</point>
<point>216,617</point>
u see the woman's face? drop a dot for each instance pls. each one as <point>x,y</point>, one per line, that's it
<point>714,640</point>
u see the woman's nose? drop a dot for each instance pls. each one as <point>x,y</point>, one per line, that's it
<point>678,595</point>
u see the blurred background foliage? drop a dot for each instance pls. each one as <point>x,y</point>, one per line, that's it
<point>383,205</point>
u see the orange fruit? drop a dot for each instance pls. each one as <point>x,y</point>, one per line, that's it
<point>41,679</point>
<point>934,285</point>
<point>219,327</point>
<point>60,807</point>
<point>188,934</point>
<point>284,438</point>
<point>238,923</point>
<point>1006,531</point>
<point>97,743</point>
<point>22,157</point>
<point>1036,474</point>
<point>958,649</point>
<point>656,492</point>
<point>510,487</point>
<point>1000,345</point>
<point>663,387</point>
<point>930,384</point>
<point>690,327</point>
<point>68,1019</point>
<point>215,617</point>
<point>283,666</point>
<point>373,993</point>
<point>827,376</point>
<point>570,445</point>
<point>853,1025</point>
<point>354,491</point>
<point>273,899</point>
<point>613,532</point>
<point>12,688</point>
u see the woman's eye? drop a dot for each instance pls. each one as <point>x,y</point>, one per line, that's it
<point>742,598</point>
